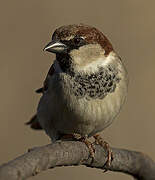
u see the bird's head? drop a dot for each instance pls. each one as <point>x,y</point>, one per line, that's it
<point>78,46</point>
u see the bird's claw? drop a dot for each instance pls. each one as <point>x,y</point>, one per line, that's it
<point>90,145</point>
<point>105,145</point>
<point>87,143</point>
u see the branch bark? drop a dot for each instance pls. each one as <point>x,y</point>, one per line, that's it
<point>67,153</point>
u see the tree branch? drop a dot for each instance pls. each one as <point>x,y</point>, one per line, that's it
<point>67,153</point>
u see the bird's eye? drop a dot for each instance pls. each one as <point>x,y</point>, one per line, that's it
<point>78,40</point>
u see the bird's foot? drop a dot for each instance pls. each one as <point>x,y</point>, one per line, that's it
<point>105,145</point>
<point>83,139</point>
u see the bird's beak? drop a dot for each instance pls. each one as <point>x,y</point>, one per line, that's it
<point>55,47</point>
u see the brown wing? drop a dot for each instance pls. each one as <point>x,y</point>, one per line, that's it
<point>45,84</point>
<point>34,123</point>
<point>40,90</point>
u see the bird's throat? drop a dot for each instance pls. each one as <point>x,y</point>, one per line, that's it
<point>65,62</point>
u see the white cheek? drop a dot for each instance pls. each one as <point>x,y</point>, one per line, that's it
<point>100,62</point>
<point>86,54</point>
<point>92,66</point>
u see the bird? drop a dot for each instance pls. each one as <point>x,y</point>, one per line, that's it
<point>85,88</point>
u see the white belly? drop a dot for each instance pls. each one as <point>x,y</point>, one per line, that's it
<point>62,113</point>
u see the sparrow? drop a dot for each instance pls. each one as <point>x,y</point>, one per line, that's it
<point>85,87</point>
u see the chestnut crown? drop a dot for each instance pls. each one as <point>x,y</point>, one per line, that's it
<point>77,35</point>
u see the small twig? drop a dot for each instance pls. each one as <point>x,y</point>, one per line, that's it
<point>67,153</point>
